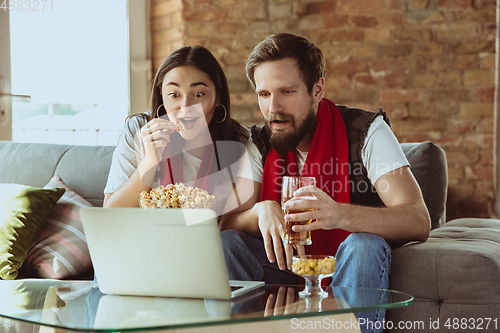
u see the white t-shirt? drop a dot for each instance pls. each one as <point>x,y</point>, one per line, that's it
<point>130,151</point>
<point>380,154</point>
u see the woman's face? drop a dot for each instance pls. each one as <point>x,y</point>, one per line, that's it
<point>190,98</point>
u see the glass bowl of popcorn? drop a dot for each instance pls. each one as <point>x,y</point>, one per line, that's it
<point>313,268</point>
<point>176,196</point>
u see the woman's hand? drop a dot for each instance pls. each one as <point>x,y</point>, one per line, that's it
<point>156,136</point>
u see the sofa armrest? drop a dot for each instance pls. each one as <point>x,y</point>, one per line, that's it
<point>458,256</point>
<point>429,166</point>
<point>456,271</point>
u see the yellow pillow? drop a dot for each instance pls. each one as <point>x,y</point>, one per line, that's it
<point>23,211</point>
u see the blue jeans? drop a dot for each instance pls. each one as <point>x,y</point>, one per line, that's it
<point>363,260</point>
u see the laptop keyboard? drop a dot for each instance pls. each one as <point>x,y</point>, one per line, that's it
<point>233,288</point>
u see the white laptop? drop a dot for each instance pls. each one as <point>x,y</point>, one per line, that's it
<point>154,312</point>
<point>159,252</point>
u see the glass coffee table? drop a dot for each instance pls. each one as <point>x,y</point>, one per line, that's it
<point>79,306</point>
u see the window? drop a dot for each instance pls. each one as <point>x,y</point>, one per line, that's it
<point>73,59</point>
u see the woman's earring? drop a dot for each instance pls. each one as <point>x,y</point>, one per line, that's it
<point>225,114</point>
<point>158,109</point>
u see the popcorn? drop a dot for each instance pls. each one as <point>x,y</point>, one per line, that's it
<point>177,196</point>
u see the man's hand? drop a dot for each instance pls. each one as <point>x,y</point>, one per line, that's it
<point>283,303</point>
<point>404,217</point>
<point>326,211</point>
<point>272,228</point>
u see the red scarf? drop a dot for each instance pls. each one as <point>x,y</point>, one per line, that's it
<point>327,161</point>
<point>171,169</point>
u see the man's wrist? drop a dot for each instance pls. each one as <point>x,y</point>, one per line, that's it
<point>343,216</point>
<point>263,207</point>
<point>256,209</point>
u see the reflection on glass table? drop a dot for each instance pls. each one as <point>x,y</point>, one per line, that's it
<point>81,307</point>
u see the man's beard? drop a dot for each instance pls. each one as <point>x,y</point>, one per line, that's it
<point>285,141</point>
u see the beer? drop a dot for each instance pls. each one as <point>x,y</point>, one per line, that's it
<point>292,237</point>
<point>288,188</point>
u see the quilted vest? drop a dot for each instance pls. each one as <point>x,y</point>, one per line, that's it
<point>357,123</point>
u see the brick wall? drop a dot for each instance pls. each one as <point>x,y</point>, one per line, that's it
<point>429,63</point>
<point>167,29</point>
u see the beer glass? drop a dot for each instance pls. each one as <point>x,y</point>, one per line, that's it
<point>290,185</point>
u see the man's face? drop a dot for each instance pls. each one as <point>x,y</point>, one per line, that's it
<point>289,110</point>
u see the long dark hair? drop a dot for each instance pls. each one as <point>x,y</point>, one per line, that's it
<point>201,58</point>
<point>228,130</point>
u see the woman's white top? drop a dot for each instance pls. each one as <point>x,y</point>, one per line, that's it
<point>130,151</point>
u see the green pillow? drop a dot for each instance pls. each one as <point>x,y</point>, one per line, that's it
<point>23,211</point>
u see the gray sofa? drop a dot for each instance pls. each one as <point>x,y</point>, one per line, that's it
<point>454,274</point>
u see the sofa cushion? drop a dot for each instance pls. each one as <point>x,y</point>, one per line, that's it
<point>60,251</point>
<point>85,170</point>
<point>31,164</point>
<point>459,264</point>
<point>23,211</point>
<point>429,166</point>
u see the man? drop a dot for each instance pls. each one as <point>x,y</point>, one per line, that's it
<point>366,195</point>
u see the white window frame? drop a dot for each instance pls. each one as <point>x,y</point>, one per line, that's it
<point>140,64</point>
<point>139,59</point>
<point>5,72</point>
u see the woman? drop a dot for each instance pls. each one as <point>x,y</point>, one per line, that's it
<point>172,143</point>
